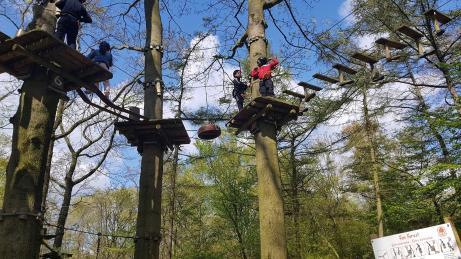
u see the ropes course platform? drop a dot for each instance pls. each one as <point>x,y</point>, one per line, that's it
<point>19,56</point>
<point>268,108</point>
<point>168,132</point>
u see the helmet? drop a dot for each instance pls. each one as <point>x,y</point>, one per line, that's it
<point>261,61</point>
<point>104,46</point>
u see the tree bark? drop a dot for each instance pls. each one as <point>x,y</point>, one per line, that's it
<point>33,123</point>
<point>63,213</point>
<point>148,225</point>
<point>374,166</point>
<point>271,211</point>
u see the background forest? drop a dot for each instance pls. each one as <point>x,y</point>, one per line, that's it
<point>375,157</point>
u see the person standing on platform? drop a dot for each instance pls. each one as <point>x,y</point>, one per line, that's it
<point>103,57</point>
<point>264,73</point>
<point>72,13</point>
<point>239,88</point>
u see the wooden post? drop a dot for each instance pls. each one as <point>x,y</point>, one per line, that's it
<point>449,220</point>
<point>21,216</point>
<point>271,212</point>
<point>150,184</point>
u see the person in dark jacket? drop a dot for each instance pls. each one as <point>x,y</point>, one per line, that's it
<point>103,57</point>
<point>72,12</point>
<point>264,73</point>
<point>239,88</point>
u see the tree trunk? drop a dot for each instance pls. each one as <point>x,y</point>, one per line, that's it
<point>150,190</point>
<point>33,124</point>
<point>49,159</point>
<point>295,200</point>
<point>271,212</point>
<point>374,166</point>
<point>65,206</point>
<point>148,225</point>
<point>172,203</point>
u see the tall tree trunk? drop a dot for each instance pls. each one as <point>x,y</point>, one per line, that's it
<point>295,200</point>
<point>148,225</point>
<point>172,203</point>
<point>21,223</point>
<point>22,214</point>
<point>49,159</point>
<point>271,212</point>
<point>374,166</point>
<point>65,206</point>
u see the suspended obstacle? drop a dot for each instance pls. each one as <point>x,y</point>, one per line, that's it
<point>438,19</point>
<point>165,132</point>
<point>388,44</point>
<point>209,131</point>
<point>267,108</point>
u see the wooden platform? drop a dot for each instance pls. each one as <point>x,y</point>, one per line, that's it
<point>268,108</point>
<point>168,132</point>
<point>18,56</point>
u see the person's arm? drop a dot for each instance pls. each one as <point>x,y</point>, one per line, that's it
<point>274,62</point>
<point>110,59</point>
<point>85,17</point>
<point>60,4</point>
<point>92,54</point>
<point>254,72</point>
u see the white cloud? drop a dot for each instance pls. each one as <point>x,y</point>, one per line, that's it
<point>345,9</point>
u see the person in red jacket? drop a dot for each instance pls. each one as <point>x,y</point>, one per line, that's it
<point>264,73</point>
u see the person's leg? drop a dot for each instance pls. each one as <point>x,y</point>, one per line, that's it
<point>262,87</point>
<point>240,103</point>
<point>270,87</point>
<point>60,32</point>
<point>72,33</point>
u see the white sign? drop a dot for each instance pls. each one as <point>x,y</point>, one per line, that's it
<point>432,242</point>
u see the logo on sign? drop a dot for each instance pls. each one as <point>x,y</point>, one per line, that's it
<point>441,231</point>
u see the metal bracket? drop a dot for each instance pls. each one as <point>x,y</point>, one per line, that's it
<point>157,84</point>
<point>23,215</point>
<point>158,48</point>
<point>256,38</point>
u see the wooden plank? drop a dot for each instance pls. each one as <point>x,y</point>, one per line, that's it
<point>344,68</point>
<point>4,37</point>
<point>434,14</point>
<point>390,43</point>
<point>325,78</point>
<point>365,58</point>
<point>254,118</point>
<point>309,86</point>
<point>348,82</point>
<point>294,94</point>
<point>410,32</point>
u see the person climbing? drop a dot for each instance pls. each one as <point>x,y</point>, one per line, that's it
<point>239,88</point>
<point>103,57</point>
<point>72,12</point>
<point>264,73</point>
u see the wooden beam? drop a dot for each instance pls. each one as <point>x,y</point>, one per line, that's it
<point>436,15</point>
<point>326,78</point>
<point>3,37</point>
<point>294,94</point>
<point>309,97</point>
<point>347,82</point>
<point>390,43</point>
<point>365,58</point>
<point>410,32</point>
<point>344,68</point>
<point>309,86</point>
